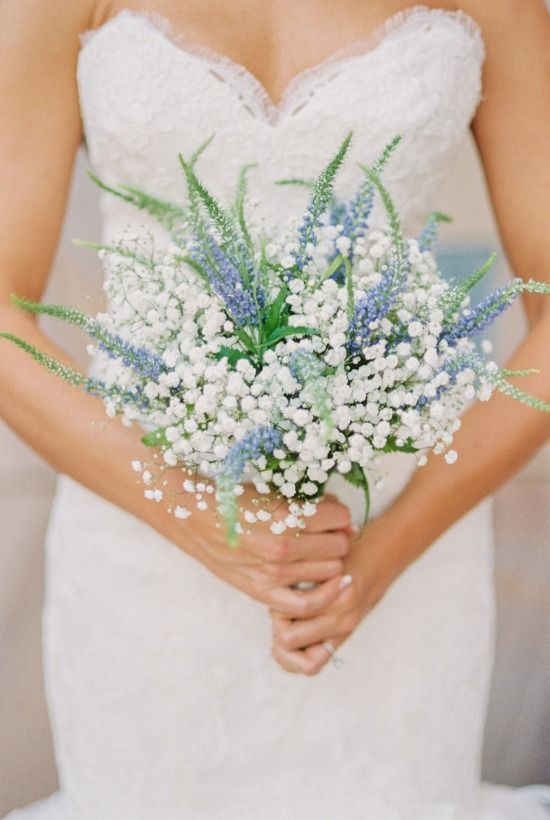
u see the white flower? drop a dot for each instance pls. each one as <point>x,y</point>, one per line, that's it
<point>151,390</point>
<point>309,489</point>
<point>451,456</point>
<point>182,512</point>
<point>301,417</point>
<point>415,328</point>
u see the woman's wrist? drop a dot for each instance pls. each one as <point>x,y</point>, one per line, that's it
<point>390,542</point>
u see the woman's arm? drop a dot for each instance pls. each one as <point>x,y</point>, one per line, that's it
<point>39,134</point>
<point>512,129</point>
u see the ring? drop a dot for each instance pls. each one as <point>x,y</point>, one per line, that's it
<point>337,661</point>
<point>331,649</point>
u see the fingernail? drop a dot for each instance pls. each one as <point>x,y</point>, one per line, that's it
<point>345,582</point>
<point>355,529</point>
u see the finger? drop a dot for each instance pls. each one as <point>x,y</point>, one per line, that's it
<point>305,662</point>
<point>303,603</point>
<point>318,546</point>
<point>305,546</point>
<point>331,515</point>
<point>300,634</point>
<point>285,575</point>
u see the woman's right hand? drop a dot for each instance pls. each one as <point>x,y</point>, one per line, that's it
<point>265,566</point>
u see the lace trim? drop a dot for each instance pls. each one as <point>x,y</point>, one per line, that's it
<point>306,82</point>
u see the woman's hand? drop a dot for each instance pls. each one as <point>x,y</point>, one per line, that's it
<point>265,566</point>
<point>304,645</point>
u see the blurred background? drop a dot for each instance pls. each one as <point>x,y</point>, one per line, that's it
<point>517,746</point>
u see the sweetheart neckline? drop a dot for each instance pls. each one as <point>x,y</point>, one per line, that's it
<point>264,103</point>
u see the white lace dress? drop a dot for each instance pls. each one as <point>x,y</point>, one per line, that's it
<point>164,701</point>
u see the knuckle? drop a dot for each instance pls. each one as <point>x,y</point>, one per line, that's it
<point>336,566</point>
<point>255,584</point>
<point>285,640</point>
<point>276,549</point>
<point>344,515</point>
<point>305,606</point>
<point>273,571</point>
<point>342,543</point>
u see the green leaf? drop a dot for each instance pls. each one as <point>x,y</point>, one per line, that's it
<point>333,267</point>
<point>196,266</point>
<point>232,354</point>
<point>289,330</point>
<point>274,312</point>
<point>155,438</point>
<point>202,147</point>
<point>246,340</point>
<point>391,446</point>
<point>167,213</point>
<point>239,206</point>
<point>439,216</point>
<point>357,478</point>
<point>109,189</point>
<point>119,249</point>
<point>305,183</point>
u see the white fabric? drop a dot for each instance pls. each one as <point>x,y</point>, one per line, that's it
<point>164,701</point>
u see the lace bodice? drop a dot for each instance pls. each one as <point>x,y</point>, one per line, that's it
<point>147,95</point>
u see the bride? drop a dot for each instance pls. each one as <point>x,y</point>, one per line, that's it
<point>185,680</point>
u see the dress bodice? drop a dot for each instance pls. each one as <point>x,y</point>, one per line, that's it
<point>147,95</point>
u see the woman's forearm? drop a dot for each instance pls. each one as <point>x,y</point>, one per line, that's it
<point>70,428</point>
<point>496,438</point>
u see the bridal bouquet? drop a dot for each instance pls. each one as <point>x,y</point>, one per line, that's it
<point>281,359</point>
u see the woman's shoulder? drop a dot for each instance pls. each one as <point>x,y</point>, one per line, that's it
<point>35,25</point>
<point>508,18</point>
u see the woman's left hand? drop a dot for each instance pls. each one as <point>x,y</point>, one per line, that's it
<point>305,645</point>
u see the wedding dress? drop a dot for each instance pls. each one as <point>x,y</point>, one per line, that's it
<point>165,703</point>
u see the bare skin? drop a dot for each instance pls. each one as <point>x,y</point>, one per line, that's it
<point>39,135</point>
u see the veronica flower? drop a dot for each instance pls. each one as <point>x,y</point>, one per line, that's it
<point>142,361</point>
<point>227,282</point>
<point>261,441</point>
<point>375,305</point>
<point>476,319</point>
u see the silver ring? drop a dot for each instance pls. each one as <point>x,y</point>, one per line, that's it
<point>336,660</point>
<point>304,585</point>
